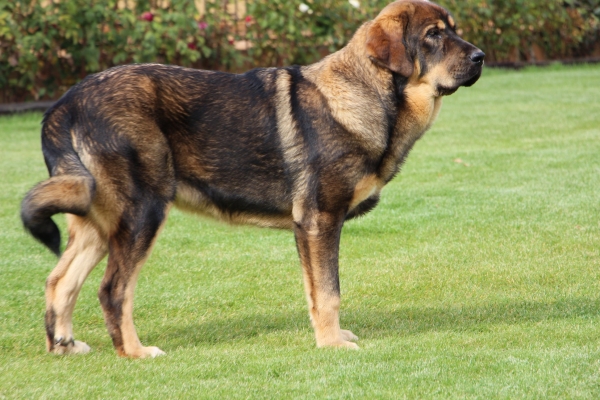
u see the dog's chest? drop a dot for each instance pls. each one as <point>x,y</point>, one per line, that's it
<point>368,186</point>
<point>417,114</point>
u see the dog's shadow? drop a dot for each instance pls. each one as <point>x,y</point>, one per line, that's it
<point>380,323</point>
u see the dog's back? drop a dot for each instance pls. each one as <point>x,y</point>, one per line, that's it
<point>212,135</point>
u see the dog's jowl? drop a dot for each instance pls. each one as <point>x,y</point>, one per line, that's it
<point>299,148</point>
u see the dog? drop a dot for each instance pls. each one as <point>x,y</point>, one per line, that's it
<point>303,148</point>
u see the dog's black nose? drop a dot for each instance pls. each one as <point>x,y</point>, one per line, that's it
<point>477,57</point>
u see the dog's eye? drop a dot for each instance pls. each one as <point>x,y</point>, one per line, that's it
<point>434,33</point>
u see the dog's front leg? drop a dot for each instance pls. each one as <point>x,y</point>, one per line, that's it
<point>318,239</point>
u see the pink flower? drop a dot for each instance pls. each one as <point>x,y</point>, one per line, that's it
<point>147,16</point>
<point>248,19</point>
<point>202,25</point>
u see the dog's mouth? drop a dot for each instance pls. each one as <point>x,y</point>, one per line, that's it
<point>446,91</point>
<point>473,79</point>
<point>467,81</point>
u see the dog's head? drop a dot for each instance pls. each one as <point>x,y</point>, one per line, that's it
<point>417,39</point>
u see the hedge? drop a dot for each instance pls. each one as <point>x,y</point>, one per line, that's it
<point>46,46</point>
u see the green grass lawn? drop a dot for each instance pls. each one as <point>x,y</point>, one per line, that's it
<point>478,276</point>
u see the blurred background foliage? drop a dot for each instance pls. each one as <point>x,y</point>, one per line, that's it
<point>48,45</point>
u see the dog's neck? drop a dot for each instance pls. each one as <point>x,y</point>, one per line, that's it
<point>403,108</point>
<point>352,65</point>
<point>348,73</point>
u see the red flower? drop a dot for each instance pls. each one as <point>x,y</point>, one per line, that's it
<point>192,46</point>
<point>248,19</point>
<point>147,16</point>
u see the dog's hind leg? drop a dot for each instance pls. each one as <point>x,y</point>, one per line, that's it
<point>129,247</point>
<point>86,247</point>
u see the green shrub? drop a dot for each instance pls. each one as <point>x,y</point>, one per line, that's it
<point>283,34</point>
<point>44,49</point>
<point>511,30</point>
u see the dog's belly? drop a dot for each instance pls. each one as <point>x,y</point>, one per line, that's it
<point>236,210</point>
<point>238,181</point>
<point>225,147</point>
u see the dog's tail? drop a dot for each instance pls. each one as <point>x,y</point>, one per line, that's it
<point>70,188</point>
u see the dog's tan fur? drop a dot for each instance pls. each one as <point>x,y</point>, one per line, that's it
<point>300,148</point>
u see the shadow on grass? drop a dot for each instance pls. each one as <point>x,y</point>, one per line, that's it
<point>371,323</point>
<point>408,321</point>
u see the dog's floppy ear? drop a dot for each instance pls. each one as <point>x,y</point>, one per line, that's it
<point>385,45</point>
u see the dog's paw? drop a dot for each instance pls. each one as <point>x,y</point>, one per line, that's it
<point>153,352</point>
<point>344,339</point>
<point>144,352</point>
<point>339,344</point>
<point>348,335</point>
<point>348,345</point>
<point>70,347</point>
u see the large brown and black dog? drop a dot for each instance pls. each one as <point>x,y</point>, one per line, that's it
<point>301,148</point>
